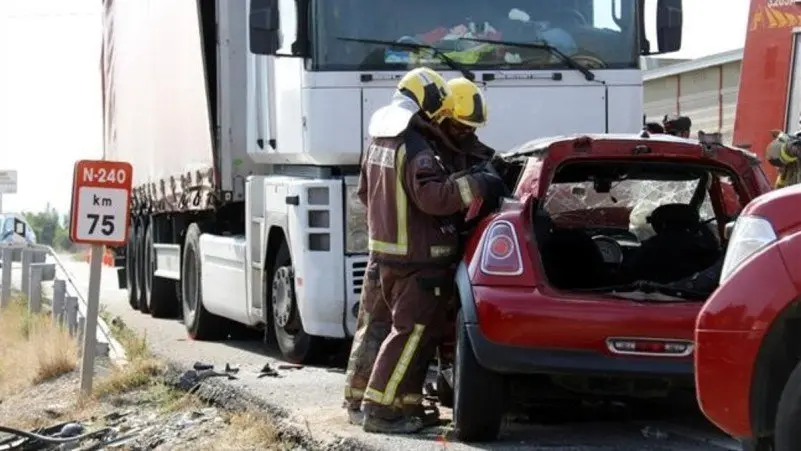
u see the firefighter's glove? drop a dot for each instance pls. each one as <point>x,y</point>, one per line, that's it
<point>492,186</point>
<point>498,163</point>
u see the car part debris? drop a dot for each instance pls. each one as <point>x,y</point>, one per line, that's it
<point>200,366</point>
<point>45,438</point>
<point>289,366</point>
<point>231,369</point>
<point>267,370</point>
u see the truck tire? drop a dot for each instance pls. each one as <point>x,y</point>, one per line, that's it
<point>160,296</point>
<point>130,267</point>
<point>478,393</point>
<point>294,343</point>
<point>788,414</point>
<point>200,324</point>
<point>141,302</point>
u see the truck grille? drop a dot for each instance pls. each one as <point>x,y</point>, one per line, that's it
<point>357,266</point>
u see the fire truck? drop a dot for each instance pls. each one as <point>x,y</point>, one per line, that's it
<point>245,122</point>
<point>770,80</point>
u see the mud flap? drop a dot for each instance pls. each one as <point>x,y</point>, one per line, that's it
<point>122,278</point>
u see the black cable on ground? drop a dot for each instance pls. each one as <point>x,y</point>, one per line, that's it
<point>53,440</point>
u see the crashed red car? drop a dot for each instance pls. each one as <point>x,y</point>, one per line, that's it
<point>566,288</point>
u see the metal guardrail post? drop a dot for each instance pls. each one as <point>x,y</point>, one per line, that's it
<point>71,312</point>
<point>81,329</point>
<point>59,292</point>
<point>27,259</point>
<point>35,289</point>
<point>5,288</point>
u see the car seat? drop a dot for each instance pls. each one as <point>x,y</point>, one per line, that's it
<point>569,256</point>
<point>681,247</point>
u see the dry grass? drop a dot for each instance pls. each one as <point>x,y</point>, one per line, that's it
<point>249,430</point>
<point>32,349</point>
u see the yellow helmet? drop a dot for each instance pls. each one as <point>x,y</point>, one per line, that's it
<point>428,89</point>
<point>469,106</point>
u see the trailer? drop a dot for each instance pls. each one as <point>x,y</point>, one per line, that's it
<point>245,122</point>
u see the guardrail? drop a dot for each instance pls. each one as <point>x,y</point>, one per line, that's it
<point>68,304</point>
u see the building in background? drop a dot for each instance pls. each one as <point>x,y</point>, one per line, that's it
<point>704,89</point>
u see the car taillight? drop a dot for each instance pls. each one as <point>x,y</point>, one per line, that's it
<point>501,256</point>
<point>650,346</point>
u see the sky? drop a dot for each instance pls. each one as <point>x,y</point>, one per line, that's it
<point>50,104</point>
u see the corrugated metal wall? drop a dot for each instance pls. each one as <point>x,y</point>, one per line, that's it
<point>708,96</point>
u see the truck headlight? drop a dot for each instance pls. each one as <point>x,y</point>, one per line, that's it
<point>356,236</point>
<point>750,235</point>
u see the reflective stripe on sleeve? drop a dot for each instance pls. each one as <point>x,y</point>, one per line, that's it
<point>465,191</point>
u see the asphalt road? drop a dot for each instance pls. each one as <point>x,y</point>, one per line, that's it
<point>313,395</point>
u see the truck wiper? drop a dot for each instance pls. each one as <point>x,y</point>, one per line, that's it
<point>468,74</point>
<point>541,46</point>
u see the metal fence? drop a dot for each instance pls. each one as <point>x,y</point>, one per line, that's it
<point>40,265</point>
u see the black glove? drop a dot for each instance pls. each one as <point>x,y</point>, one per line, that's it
<point>492,186</point>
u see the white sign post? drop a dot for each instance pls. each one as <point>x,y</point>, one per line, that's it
<point>101,206</point>
<point>8,184</point>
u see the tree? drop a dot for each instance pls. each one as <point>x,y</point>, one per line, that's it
<point>50,228</point>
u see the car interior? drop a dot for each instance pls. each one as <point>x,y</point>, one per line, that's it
<point>609,224</point>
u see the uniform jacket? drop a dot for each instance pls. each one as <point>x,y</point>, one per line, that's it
<point>408,193</point>
<point>778,154</point>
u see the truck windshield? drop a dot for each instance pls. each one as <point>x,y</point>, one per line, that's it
<point>598,33</point>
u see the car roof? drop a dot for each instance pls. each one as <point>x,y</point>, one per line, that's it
<point>540,146</point>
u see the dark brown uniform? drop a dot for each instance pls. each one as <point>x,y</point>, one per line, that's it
<point>416,252</point>
<point>374,320</point>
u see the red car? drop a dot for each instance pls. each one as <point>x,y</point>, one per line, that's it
<point>566,289</point>
<point>748,357</point>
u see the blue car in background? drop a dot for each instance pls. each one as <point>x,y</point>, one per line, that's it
<point>7,235</point>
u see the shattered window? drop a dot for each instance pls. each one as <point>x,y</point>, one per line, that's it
<point>637,197</point>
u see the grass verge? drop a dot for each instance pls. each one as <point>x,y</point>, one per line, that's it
<point>32,349</point>
<point>246,430</point>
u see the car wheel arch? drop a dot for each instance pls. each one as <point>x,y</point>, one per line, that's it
<point>464,289</point>
<point>775,361</point>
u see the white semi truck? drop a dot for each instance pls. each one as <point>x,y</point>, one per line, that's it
<point>245,121</point>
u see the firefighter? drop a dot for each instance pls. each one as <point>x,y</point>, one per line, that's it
<point>468,114</point>
<point>677,125</point>
<point>408,194</point>
<point>783,153</point>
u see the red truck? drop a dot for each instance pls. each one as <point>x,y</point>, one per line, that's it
<point>748,334</point>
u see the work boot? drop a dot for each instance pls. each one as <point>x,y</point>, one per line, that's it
<point>428,415</point>
<point>401,425</point>
<point>355,416</point>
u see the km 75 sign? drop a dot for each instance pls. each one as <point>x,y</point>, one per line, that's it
<point>101,202</point>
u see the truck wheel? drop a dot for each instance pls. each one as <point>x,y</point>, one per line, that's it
<point>160,294</point>
<point>130,267</point>
<point>788,414</point>
<point>200,324</point>
<point>141,289</point>
<point>294,343</point>
<point>478,393</point>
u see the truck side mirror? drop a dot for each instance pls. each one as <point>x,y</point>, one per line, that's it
<point>265,27</point>
<point>669,24</point>
<point>19,227</point>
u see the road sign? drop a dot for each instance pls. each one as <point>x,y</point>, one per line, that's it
<point>8,182</point>
<point>101,202</point>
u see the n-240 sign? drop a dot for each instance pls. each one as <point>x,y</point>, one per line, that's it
<point>101,202</point>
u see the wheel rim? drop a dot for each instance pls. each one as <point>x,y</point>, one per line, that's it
<point>283,299</point>
<point>192,278</point>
